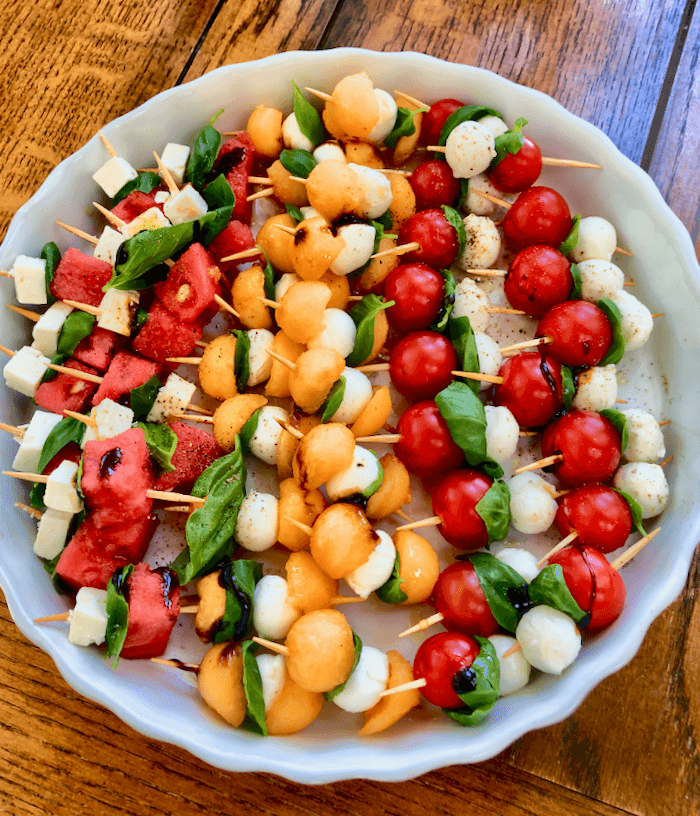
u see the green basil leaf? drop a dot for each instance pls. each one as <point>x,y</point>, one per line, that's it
<point>329,695</point>
<point>364,314</point>
<point>333,400</point>
<point>50,373</point>
<point>635,510</point>
<point>63,432</point>
<point>492,468</point>
<point>509,142</point>
<point>248,430</point>
<point>549,588</point>
<point>463,193</point>
<point>76,327</point>
<point>454,219</point>
<point>36,496</point>
<point>502,586</point>
<point>141,398</point>
<point>269,277</point>
<point>79,478</point>
<point>466,114</point>
<point>377,483</point>
<point>619,420</point>
<point>295,212</point>
<point>403,126</point>
<point>117,612</point>
<point>139,320</point>
<point>578,284</point>
<point>143,183</point>
<point>494,509</point>
<point>297,162</point>
<point>239,577</point>
<point>241,359</point>
<point>162,441</point>
<point>385,220</point>
<point>448,301</point>
<point>485,673</point>
<point>391,592</point>
<point>571,239</point>
<point>617,346</point>
<point>252,685</point>
<point>462,337</point>
<point>52,255</point>
<point>204,152</point>
<point>308,118</point>
<point>218,194</point>
<point>464,414</point>
<point>568,387</point>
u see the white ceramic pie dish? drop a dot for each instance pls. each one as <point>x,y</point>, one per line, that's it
<point>159,702</point>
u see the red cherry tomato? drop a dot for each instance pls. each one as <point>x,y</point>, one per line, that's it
<point>435,118</point>
<point>539,215</point>
<point>517,171</point>
<point>420,365</point>
<point>458,596</point>
<point>595,585</point>
<point>426,446</point>
<point>434,184</point>
<point>599,514</point>
<point>537,278</point>
<point>531,388</point>
<point>438,660</point>
<point>418,292</point>
<point>438,240</point>
<point>454,500</point>
<point>589,443</point>
<point>580,331</point>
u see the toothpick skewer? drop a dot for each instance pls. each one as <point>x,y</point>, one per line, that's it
<point>411,99</point>
<point>398,250</point>
<point>494,273</point>
<point>34,316</point>
<point>272,646</point>
<point>372,367</point>
<point>112,152</point>
<point>385,439</point>
<point>113,219</point>
<point>433,521</point>
<point>538,341</point>
<point>246,253</point>
<point>287,229</point>
<point>285,362</point>
<point>80,233</point>
<point>268,191</point>
<point>166,175</point>
<point>33,512</point>
<point>226,306</point>
<point>541,463</point>
<point>421,682</point>
<point>12,429</point>
<point>475,375</point>
<point>560,546</point>
<point>546,160</point>
<point>626,556</point>
<point>320,94</point>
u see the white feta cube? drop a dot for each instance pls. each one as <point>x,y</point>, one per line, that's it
<point>61,491</point>
<point>31,444</point>
<point>108,245</point>
<point>114,174</point>
<point>52,533</point>
<point>161,196</point>
<point>30,280</point>
<point>174,158</point>
<point>109,418</point>
<point>25,370</point>
<point>152,219</point>
<point>172,398</point>
<point>88,621</point>
<point>117,310</point>
<point>187,205</point>
<point>47,329</point>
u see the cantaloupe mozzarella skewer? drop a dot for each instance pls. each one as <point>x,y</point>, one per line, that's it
<point>548,161</point>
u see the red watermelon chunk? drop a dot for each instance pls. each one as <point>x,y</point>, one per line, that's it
<point>154,605</point>
<point>80,277</point>
<point>117,473</point>
<point>236,237</point>
<point>65,392</point>
<point>98,348</point>
<point>68,453</point>
<point>235,161</point>
<point>134,204</point>
<point>191,284</point>
<point>163,335</point>
<point>126,371</point>
<point>195,451</point>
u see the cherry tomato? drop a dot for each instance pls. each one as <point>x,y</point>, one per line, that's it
<point>595,585</point>
<point>435,118</point>
<point>426,446</point>
<point>438,660</point>
<point>580,331</point>
<point>418,292</point>
<point>589,443</point>
<point>438,240</point>
<point>539,215</point>
<point>421,365</point>
<point>599,514</point>
<point>531,388</point>
<point>458,596</point>
<point>434,184</point>
<point>454,500</point>
<point>537,278</point>
<point>517,171</point>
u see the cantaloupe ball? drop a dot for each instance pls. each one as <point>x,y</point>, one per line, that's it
<point>356,108</point>
<point>381,332</point>
<point>403,202</point>
<point>340,289</point>
<point>342,539</point>
<point>391,709</point>
<point>300,313</point>
<point>220,682</point>
<point>395,490</point>
<point>333,189</point>
<point>315,248</point>
<point>265,129</point>
<point>318,369</point>
<point>232,415</point>
<point>294,709</point>
<point>308,587</point>
<point>363,153</point>
<point>287,190</point>
<point>406,145</point>
<point>374,414</point>
<point>379,268</point>
<point>246,292</point>
<point>278,244</point>
<point>216,374</point>
<point>330,121</point>
<point>211,606</point>
<point>324,451</point>
<point>288,444</point>
<point>419,567</point>
<point>278,382</point>
<point>301,505</point>
<point>321,650</point>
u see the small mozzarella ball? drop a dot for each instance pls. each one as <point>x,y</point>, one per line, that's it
<point>329,150</point>
<point>472,302</point>
<point>502,433</point>
<point>359,246</point>
<point>646,483</point>
<point>263,443</point>
<point>600,280</point>
<point>357,478</point>
<point>256,525</point>
<point>596,389</point>
<point>550,639</point>
<point>272,672</point>
<point>532,508</point>
<point>469,149</point>
<point>515,670</point>
<point>495,124</point>
<point>473,202</point>
<point>597,239</point>
<point>522,561</point>
<point>259,360</point>
<point>309,213</point>
<point>637,321</point>
<point>375,191</point>
<point>646,441</point>
<point>285,283</point>
<point>338,331</point>
<point>490,357</point>
<point>292,136</point>
<point>483,243</point>
<point>387,117</point>
<point>273,615</point>
<point>366,683</point>
<point>358,393</point>
<point>376,571</point>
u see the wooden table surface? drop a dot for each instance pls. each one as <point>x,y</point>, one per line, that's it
<point>66,68</point>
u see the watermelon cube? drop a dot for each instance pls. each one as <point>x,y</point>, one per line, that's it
<point>126,371</point>
<point>154,605</point>
<point>163,335</point>
<point>80,277</point>
<point>195,451</point>
<point>235,161</point>
<point>191,284</point>
<point>98,348</point>
<point>65,391</point>
<point>135,204</point>
<point>236,237</point>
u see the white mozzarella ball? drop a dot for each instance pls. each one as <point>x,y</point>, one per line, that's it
<point>256,525</point>
<point>469,149</point>
<point>273,615</point>
<point>362,473</point>
<point>646,483</point>
<point>292,136</point>
<point>272,671</point>
<point>356,397</point>
<point>338,331</point>
<point>495,124</point>
<point>259,360</point>
<point>596,239</point>
<point>366,683</point>
<point>637,321</point>
<point>473,202</point>
<point>515,670</point>
<point>472,302</point>
<point>264,441</point>
<point>522,561</point>
<point>490,357</point>
<point>376,571</point>
<point>483,244</point>
<point>502,433</point>
<point>375,190</point>
<point>596,389</point>
<point>359,246</point>
<point>309,213</point>
<point>329,151</point>
<point>388,110</point>
<point>532,508</point>
<point>600,280</point>
<point>285,283</point>
<point>550,639</point>
<point>646,441</point>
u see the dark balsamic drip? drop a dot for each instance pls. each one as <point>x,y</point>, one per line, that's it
<point>586,347</point>
<point>300,236</point>
<point>547,374</point>
<point>122,255</point>
<point>109,462</point>
<point>227,580</point>
<point>594,587</point>
<point>169,582</point>
<point>197,232</point>
<point>519,599</point>
<point>231,160</point>
<point>121,584</point>
<point>464,681</point>
<point>188,667</point>
<point>344,220</point>
<point>228,651</point>
<point>357,499</point>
